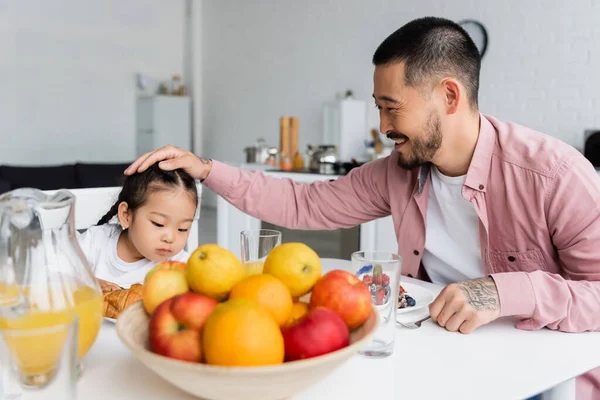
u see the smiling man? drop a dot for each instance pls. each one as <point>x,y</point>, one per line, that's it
<point>506,217</point>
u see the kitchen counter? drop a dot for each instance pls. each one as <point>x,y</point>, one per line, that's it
<point>268,169</point>
<point>374,235</point>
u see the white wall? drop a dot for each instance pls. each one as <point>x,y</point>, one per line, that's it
<point>67,68</point>
<point>265,59</point>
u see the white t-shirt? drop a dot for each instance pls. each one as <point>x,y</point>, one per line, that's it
<point>99,245</point>
<point>452,249</point>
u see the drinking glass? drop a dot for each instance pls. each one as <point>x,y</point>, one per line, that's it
<point>256,245</point>
<point>39,363</point>
<point>380,271</point>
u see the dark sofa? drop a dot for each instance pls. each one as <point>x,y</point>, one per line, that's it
<point>67,176</point>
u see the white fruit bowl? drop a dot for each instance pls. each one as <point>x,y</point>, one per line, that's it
<point>236,383</point>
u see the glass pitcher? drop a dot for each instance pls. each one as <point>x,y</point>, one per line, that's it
<point>44,279</point>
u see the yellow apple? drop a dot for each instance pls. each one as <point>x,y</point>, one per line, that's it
<point>213,271</point>
<point>167,279</point>
<point>296,265</point>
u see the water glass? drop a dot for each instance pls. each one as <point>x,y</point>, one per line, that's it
<point>380,271</point>
<point>39,363</point>
<point>256,246</point>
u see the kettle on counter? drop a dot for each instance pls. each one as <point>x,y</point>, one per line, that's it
<point>323,159</point>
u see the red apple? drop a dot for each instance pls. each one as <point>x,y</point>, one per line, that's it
<point>165,280</point>
<point>319,332</point>
<point>345,294</point>
<point>176,326</point>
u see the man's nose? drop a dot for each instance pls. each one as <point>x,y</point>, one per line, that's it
<point>385,125</point>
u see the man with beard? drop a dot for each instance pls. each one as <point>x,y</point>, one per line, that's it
<point>507,218</point>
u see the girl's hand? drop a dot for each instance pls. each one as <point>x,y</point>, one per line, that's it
<point>171,158</point>
<point>107,286</point>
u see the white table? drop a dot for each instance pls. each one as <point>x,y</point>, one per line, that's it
<point>497,361</point>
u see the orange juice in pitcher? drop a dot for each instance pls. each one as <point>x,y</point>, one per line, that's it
<point>45,281</point>
<point>37,353</point>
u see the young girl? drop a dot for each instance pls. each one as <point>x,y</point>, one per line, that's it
<point>149,223</point>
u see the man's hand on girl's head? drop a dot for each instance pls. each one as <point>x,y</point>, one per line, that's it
<point>170,158</point>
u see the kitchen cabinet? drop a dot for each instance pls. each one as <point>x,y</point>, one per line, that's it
<point>345,126</point>
<point>379,235</point>
<point>162,120</point>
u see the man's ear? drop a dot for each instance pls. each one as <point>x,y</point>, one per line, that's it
<point>453,94</point>
<point>124,215</point>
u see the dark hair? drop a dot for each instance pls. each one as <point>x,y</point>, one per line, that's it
<point>433,47</point>
<point>138,186</point>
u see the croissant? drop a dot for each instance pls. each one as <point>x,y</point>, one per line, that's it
<point>118,300</point>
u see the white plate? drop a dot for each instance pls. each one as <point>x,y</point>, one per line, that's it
<point>422,296</point>
<point>113,320</point>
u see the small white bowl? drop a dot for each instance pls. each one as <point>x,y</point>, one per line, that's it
<point>236,383</point>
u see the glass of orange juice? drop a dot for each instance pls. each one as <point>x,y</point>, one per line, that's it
<point>40,361</point>
<point>256,245</point>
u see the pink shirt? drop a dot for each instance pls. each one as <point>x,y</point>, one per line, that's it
<point>537,198</point>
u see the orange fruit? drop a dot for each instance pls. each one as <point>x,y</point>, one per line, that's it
<point>299,310</point>
<point>296,265</point>
<point>213,271</point>
<point>241,332</point>
<point>267,291</point>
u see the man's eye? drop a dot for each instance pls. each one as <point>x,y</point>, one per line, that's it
<point>157,224</point>
<point>183,230</point>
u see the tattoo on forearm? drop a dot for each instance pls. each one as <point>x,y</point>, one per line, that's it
<point>481,293</point>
